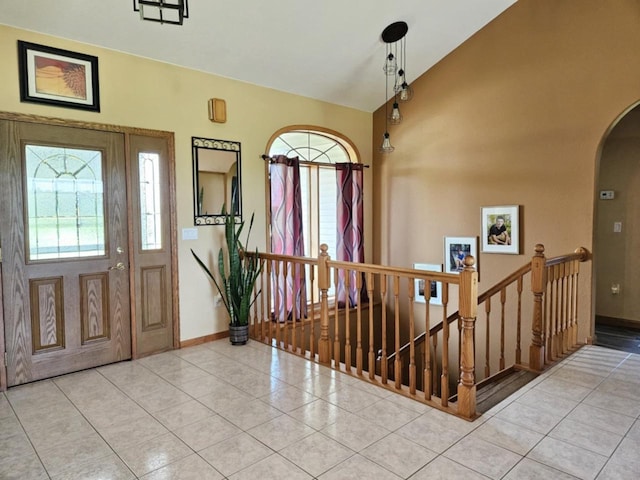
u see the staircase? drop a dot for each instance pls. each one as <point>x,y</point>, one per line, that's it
<point>463,363</point>
<point>492,393</point>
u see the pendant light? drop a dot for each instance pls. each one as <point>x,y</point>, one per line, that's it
<point>386,146</point>
<point>394,66</point>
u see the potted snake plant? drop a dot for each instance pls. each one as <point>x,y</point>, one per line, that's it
<point>237,277</point>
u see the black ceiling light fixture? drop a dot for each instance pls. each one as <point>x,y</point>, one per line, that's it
<point>394,37</point>
<point>162,11</point>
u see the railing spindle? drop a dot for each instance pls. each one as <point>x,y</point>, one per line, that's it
<point>359,324</point>
<point>278,301</point>
<point>503,300</point>
<point>574,290</point>
<point>426,374</point>
<point>548,334</point>
<point>557,328</point>
<point>434,371</point>
<point>519,324</point>
<point>384,371</point>
<point>487,346</point>
<point>336,321</point>
<point>444,376</point>
<point>347,323</point>
<point>295,278</point>
<point>372,355</point>
<point>565,300</point>
<point>270,306</point>
<point>412,336</point>
<point>312,334</point>
<point>585,256</point>
<point>396,303</point>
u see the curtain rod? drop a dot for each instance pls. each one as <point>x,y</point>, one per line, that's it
<point>305,162</point>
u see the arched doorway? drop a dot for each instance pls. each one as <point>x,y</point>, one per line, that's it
<point>617,236</point>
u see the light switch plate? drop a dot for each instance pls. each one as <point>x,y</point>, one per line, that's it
<point>190,233</point>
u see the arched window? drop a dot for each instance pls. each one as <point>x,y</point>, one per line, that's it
<point>318,150</point>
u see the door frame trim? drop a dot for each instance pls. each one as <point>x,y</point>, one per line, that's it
<point>127,132</point>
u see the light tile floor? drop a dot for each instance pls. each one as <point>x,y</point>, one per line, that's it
<point>215,411</point>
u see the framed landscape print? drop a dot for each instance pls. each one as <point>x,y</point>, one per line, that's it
<point>57,77</point>
<point>434,290</point>
<point>501,229</point>
<point>455,251</point>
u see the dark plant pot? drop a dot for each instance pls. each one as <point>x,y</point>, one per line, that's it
<point>238,334</point>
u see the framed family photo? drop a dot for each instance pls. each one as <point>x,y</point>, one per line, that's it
<point>455,251</point>
<point>433,291</point>
<point>501,229</point>
<point>57,77</point>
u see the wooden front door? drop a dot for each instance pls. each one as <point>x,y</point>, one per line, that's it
<point>64,240</point>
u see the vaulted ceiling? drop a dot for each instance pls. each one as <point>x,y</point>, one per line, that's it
<point>329,50</point>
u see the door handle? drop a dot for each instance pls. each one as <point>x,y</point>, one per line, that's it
<point>118,266</point>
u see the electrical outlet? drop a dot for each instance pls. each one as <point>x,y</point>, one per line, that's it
<point>607,195</point>
<point>617,227</point>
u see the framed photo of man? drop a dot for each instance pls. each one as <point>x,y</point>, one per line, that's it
<point>501,229</point>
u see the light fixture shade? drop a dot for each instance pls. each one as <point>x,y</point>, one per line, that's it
<point>405,93</point>
<point>395,117</point>
<point>386,144</point>
<point>390,65</point>
<point>162,11</point>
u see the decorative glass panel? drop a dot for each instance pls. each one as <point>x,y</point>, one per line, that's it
<point>65,202</point>
<point>150,213</point>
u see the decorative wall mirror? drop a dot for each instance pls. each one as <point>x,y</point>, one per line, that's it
<point>216,180</point>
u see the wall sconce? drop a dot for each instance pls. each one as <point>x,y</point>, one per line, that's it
<point>162,11</point>
<point>217,110</point>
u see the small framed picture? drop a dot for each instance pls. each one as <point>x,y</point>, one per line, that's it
<point>455,251</point>
<point>58,77</point>
<point>433,291</point>
<point>501,229</point>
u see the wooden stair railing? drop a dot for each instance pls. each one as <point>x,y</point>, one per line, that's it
<point>554,286</point>
<point>318,321</point>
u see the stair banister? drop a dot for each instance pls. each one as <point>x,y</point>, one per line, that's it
<point>468,293</point>
<point>538,284</point>
<point>324,283</point>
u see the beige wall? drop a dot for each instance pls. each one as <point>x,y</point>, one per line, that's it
<point>516,115</point>
<point>137,92</point>
<point>617,262</point>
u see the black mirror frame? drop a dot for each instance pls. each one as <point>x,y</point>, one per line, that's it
<point>213,144</point>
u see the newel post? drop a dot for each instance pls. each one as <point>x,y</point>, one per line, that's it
<point>324,282</point>
<point>468,306</point>
<point>538,282</point>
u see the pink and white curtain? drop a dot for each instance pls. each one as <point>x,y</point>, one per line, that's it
<point>287,236</point>
<point>350,222</point>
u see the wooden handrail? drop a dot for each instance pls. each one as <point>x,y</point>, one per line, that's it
<point>456,315</point>
<point>581,254</point>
